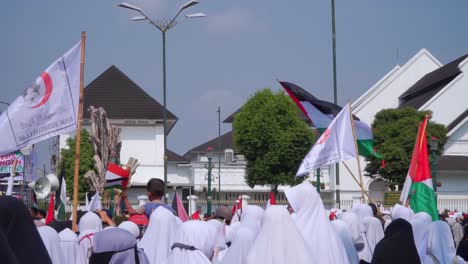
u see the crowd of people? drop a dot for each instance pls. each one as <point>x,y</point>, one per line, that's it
<point>303,232</point>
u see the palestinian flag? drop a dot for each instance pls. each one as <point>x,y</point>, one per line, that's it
<point>178,207</point>
<point>321,113</point>
<point>116,177</point>
<point>417,191</point>
<point>61,195</point>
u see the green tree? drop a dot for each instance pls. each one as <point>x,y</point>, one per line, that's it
<point>395,133</point>
<point>86,163</point>
<point>273,138</point>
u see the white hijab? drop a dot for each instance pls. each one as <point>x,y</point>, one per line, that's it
<point>421,236</point>
<point>70,248</point>
<point>344,232</point>
<point>440,244</point>
<point>240,246</point>
<point>160,235</point>
<point>52,243</point>
<point>279,240</point>
<point>200,235</point>
<point>130,227</point>
<point>374,232</point>
<point>387,223</point>
<point>89,224</point>
<point>358,234</point>
<point>220,233</point>
<point>457,230</point>
<point>314,225</point>
<point>403,212</point>
<point>252,218</point>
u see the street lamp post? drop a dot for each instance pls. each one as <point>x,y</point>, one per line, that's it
<point>434,150</point>
<point>209,155</point>
<point>164,25</point>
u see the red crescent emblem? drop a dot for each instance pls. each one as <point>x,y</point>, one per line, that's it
<point>324,137</point>
<point>48,89</point>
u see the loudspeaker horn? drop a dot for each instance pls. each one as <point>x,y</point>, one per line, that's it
<point>45,185</point>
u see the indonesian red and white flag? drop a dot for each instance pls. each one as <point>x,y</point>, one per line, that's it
<point>46,109</point>
<point>334,145</point>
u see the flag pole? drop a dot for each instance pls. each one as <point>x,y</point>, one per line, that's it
<point>78,134</point>
<point>356,180</point>
<point>357,151</point>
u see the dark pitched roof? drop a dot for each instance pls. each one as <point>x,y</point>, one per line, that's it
<point>227,142</point>
<point>453,163</point>
<point>429,85</point>
<point>174,157</point>
<point>230,119</point>
<point>457,120</point>
<point>122,98</point>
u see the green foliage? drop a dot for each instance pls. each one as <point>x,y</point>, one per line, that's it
<point>395,132</point>
<point>86,163</point>
<point>273,138</point>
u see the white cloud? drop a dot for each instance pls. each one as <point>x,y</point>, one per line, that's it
<point>235,20</point>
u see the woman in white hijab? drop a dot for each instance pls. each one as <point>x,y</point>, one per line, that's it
<point>116,246</point>
<point>359,237</point>
<point>373,232</point>
<point>52,243</point>
<point>420,224</point>
<point>279,240</point>
<point>457,230</point>
<point>252,218</point>
<point>194,244</point>
<point>130,227</point>
<point>403,212</point>
<point>440,247</point>
<point>344,232</point>
<point>159,236</point>
<point>240,246</point>
<point>70,247</point>
<point>89,224</point>
<point>322,241</point>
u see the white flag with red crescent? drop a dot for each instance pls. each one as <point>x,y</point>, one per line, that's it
<point>48,108</point>
<point>336,144</point>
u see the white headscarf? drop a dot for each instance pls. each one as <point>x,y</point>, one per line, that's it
<point>400,211</point>
<point>252,218</point>
<point>440,243</point>
<point>52,243</point>
<point>160,235</point>
<point>89,224</point>
<point>122,245</point>
<point>130,227</point>
<point>314,225</point>
<point>220,233</point>
<point>343,231</point>
<point>457,230</point>
<point>374,232</point>
<point>279,240</point>
<point>70,248</point>
<point>358,234</point>
<point>240,246</point>
<point>197,234</point>
<point>387,223</point>
<point>421,236</point>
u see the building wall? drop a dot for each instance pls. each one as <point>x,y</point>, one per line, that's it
<point>453,183</point>
<point>391,87</point>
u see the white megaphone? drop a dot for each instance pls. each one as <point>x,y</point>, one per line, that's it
<point>44,185</point>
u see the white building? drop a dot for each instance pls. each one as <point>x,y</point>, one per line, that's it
<point>141,119</point>
<point>425,84</point>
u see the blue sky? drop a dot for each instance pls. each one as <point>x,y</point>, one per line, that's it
<point>242,46</point>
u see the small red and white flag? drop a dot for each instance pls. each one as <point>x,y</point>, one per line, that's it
<point>116,177</point>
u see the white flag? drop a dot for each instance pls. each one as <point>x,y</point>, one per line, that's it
<point>334,145</point>
<point>48,108</point>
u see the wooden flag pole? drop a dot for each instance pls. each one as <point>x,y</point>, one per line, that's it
<point>356,180</point>
<point>357,151</point>
<point>78,135</point>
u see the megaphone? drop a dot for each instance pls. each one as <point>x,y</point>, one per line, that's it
<point>44,185</point>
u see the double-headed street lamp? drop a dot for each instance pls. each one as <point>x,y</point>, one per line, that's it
<point>164,25</point>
